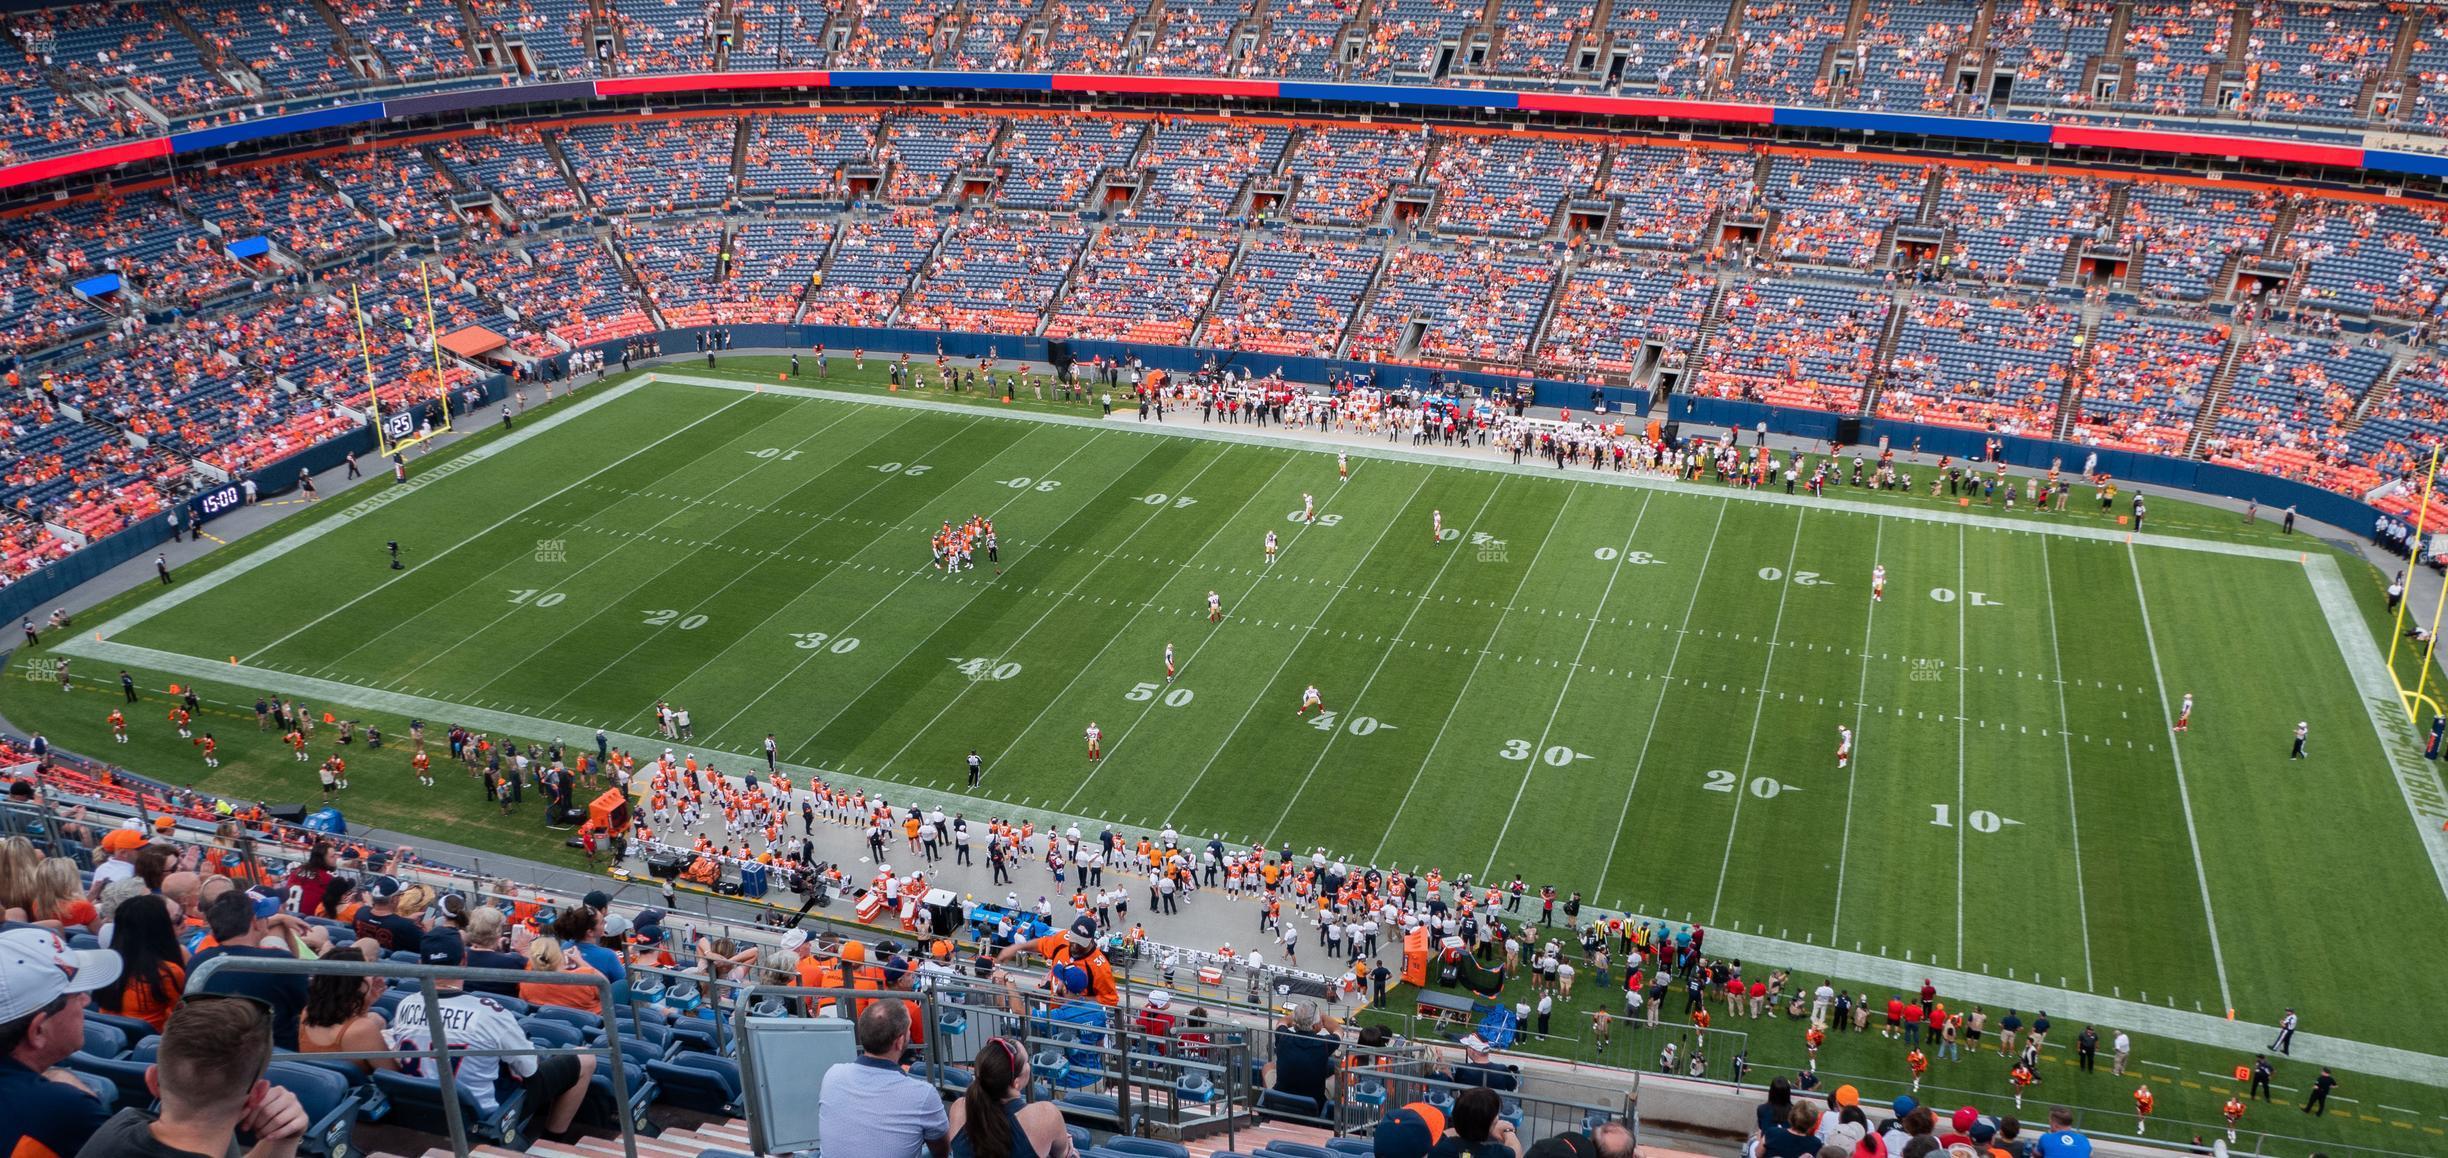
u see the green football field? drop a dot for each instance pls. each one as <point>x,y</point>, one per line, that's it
<point>1632,690</point>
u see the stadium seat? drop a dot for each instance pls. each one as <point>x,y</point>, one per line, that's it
<point>104,1040</point>
<point>331,1106</point>
<point>1150,1147</point>
<point>707,1085</point>
<point>124,1075</point>
<point>416,1103</point>
<point>132,1028</point>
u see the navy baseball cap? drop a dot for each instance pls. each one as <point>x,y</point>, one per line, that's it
<point>443,946</point>
<point>1410,1131</point>
<point>1084,929</point>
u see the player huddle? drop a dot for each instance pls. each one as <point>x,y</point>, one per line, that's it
<point>956,547</point>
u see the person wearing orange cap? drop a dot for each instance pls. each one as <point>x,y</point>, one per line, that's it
<point>1074,946</point>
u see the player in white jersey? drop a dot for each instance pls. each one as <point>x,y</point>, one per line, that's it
<point>1270,550</point>
<point>1096,741</point>
<point>2184,714</point>
<point>1878,583</point>
<point>1215,607</point>
<point>1342,465</point>
<point>1169,669</point>
<point>1308,508</point>
<point>1844,746</point>
<point>1310,699</point>
<point>1436,526</point>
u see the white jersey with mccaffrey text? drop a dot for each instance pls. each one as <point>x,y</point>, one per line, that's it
<point>473,1021</point>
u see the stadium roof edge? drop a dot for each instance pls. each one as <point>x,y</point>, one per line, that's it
<point>2383,162</point>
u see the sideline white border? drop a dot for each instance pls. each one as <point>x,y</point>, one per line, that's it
<point>2419,784</point>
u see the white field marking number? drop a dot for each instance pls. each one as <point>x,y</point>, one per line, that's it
<point>906,469</point>
<point>532,597</point>
<point>1978,820</point>
<point>1326,721</point>
<point>1971,598</point>
<point>811,640</point>
<point>1321,520</point>
<point>1556,756</point>
<point>667,617</point>
<point>1022,484</point>
<point>1161,499</point>
<point>1800,578</point>
<point>983,668</point>
<point>1141,693</point>
<point>1630,558</point>
<point>1764,787</point>
<point>775,452</point>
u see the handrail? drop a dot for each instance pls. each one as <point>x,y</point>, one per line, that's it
<point>438,1048</point>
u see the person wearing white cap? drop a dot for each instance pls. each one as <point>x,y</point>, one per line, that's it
<point>45,988</point>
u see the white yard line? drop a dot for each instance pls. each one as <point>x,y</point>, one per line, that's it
<point>2184,796</point>
<point>2418,780</point>
<point>850,503</point>
<point>1665,688</point>
<point>1127,624</point>
<point>1963,687</point>
<point>1759,711</point>
<point>1530,766</point>
<point>1269,683</point>
<point>1391,645</point>
<point>2065,740</point>
<point>1861,692</point>
<point>327,525</point>
<point>886,601</point>
<point>1052,605</point>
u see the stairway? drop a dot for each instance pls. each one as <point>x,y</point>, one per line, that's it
<point>2381,388</point>
<point>1071,277</point>
<point>569,172</point>
<point>1368,300</point>
<point>1555,297</point>
<point>1710,319</point>
<point>1901,302</point>
<point>2205,419</point>
<point>918,273</point>
<point>632,283</point>
<point>1206,314</point>
<point>2069,396</point>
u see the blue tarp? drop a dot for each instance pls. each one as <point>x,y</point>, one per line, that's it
<point>246,247</point>
<point>99,285</point>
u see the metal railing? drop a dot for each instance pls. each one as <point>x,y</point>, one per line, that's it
<point>438,1051</point>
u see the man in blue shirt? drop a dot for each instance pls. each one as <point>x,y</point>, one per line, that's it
<point>870,1108</point>
<point>44,990</point>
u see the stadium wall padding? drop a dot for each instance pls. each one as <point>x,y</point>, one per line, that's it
<point>2345,151</point>
<point>34,595</point>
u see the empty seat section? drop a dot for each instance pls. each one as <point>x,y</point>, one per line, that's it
<point>1143,285</point>
<point>1345,174</point>
<point>1292,294</point>
<point>995,273</point>
<point>1833,210</point>
<point>1792,343</point>
<point>1478,306</point>
<point>1508,186</point>
<point>1996,365</point>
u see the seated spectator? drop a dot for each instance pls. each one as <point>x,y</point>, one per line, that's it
<point>310,880</point>
<point>340,1017</point>
<point>554,967</point>
<point>995,1119</point>
<point>557,1084</point>
<point>382,921</point>
<point>121,844</point>
<point>210,1076</point>
<point>1304,1054</point>
<point>581,930</point>
<point>59,897</point>
<point>869,1107</point>
<point>153,966</point>
<point>1791,1136</point>
<point>485,950</point>
<point>1478,1128</point>
<point>44,988</point>
<point>249,925</point>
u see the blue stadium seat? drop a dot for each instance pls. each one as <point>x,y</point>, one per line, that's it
<point>578,1018</point>
<point>1150,1147</point>
<point>104,1040</point>
<point>707,1085</point>
<point>416,1103</point>
<point>331,1106</point>
<point>126,1077</point>
<point>135,1028</point>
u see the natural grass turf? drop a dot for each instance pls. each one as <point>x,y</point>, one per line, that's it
<point>1631,626</point>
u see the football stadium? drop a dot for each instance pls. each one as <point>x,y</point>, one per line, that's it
<point>1190,577</point>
